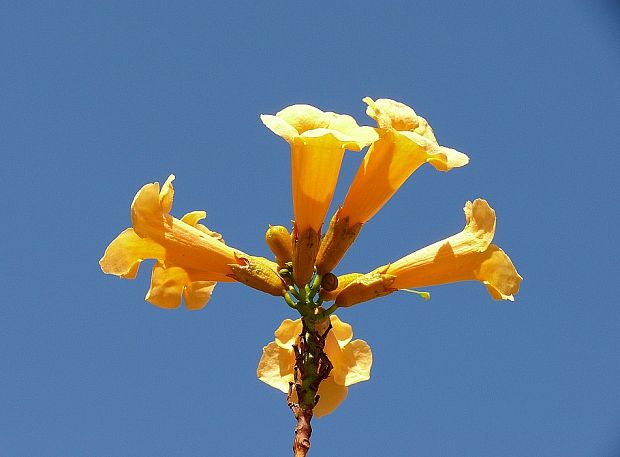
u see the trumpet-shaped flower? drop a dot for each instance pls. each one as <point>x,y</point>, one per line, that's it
<point>318,140</point>
<point>468,255</point>
<point>406,141</point>
<point>190,258</point>
<point>351,362</point>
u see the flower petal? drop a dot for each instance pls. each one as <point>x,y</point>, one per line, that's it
<point>467,255</point>
<point>303,117</point>
<point>331,395</point>
<point>335,355</point>
<point>166,194</point>
<point>276,367</point>
<point>280,127</point>
<point>440,157</point>
<point>167,285</point>
<point>125,253</point>
<point>391,114</point>
<point>341,330</point>
<point>287,333</point>
<point>170,283</point>
<point>198,293</point>
<point>357,357</point>
<point>497,272</point>
<point>193,218</point>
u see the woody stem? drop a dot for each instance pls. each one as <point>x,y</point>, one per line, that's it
<point>311,367</point>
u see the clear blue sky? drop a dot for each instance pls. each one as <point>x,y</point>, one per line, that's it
<point>99,98</point>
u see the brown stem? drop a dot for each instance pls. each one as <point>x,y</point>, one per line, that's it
<point>303,430</point>
<point>311,367</point>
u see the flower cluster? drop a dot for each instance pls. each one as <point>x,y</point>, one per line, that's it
<point>190,258</point>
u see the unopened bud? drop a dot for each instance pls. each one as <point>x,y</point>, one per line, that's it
<point>278,239</point>
<point>364,288</point>
<point>329,282</point>
<point>258,273</point>
<point>343,281</point>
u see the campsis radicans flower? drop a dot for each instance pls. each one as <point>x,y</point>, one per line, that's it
<point>190,258</point>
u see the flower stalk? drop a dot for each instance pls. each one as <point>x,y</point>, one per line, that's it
<point>312,366</point>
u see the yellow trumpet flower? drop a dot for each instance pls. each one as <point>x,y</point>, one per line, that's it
<point>468,255</point>
<point>318,140</point>
<point>406,141</point>
<point>190,258</point>
<point>351,362</point>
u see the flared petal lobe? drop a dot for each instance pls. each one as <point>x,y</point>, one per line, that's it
<point>468,255</point>
<point>124,254</point>
<point>352,361</point>
<point>406,142</point>
<point>170,284</point>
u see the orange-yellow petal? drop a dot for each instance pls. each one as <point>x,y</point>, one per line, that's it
<point>169,284</point>
<point>391,114</point>
<point>335,355</point>
<point>342,331</point>
<point>331,395</point>
<point>125,253</point>
<point>197,294</point>
<point>276,366</point>
<point>357,358</point>
<point>287,333</point>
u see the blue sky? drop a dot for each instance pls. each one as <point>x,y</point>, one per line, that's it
<point>99,98</point>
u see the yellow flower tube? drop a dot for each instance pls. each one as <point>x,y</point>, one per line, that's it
<point>468,255</point>
<point>351,361</point>
<point>190,258</point>
<point>406,142</point>
<point>318,140</point>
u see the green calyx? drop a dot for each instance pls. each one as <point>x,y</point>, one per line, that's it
<point>306,299</point>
